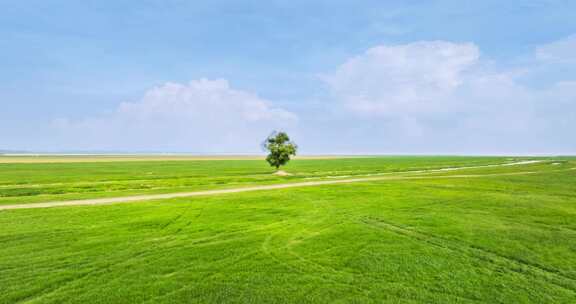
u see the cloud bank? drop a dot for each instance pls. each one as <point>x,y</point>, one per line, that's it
<point>201,116</point>
<point>440,96</point>
<point>421,97</point>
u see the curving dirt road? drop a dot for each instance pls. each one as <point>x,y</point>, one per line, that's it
<point>148,197</point>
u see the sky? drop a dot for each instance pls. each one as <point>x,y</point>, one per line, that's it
<point>342,77</point>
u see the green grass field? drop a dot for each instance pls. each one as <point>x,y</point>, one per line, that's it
<point>483,235</point>
<point>29,182</point>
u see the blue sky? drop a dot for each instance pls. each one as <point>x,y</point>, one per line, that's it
<point>473,77</point>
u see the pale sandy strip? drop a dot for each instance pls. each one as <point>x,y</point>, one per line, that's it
<point>129,199</point>
<point>47,158</point>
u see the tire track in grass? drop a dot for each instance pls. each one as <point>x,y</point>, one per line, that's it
<point>38,294</point>
<point>161,254</point>
<point>91,269</point>
<point>119,261</point>
<point>522,267</point>
<point>303,264</point>
<point>316,219</point>
<point>122,260</point>
<point>430,292</point>
<point>126,258</point>
<point>337,276</point>
<point>211,274</point>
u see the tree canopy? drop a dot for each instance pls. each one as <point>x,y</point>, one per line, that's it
<point>280,149</point>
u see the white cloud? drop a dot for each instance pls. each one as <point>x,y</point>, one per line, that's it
<point>436,92</point>
<point>404,78</point>
<point>202,116</point>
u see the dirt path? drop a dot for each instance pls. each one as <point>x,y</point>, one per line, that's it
<point>148,197</point>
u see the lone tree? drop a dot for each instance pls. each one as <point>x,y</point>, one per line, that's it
<point>280,149</point>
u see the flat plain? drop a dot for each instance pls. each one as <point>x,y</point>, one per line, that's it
<point>487,234</point>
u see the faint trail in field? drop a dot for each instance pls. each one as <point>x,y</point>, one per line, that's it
<point>209,275</point>
<point>285,254</point>
<point>519,266</point>
<point>137,198</point>
<point>128,199</point>
<point>152,250</point>
<point>281,255</point>
<point>334,275</point>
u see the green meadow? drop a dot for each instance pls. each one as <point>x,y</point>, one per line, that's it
<point>60,180</point>
<point>498,234</point>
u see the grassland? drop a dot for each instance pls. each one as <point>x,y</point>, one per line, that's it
<point>491,237</point>
<point>30,182</point>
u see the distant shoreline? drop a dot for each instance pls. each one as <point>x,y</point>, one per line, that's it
<point>77,157</point>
